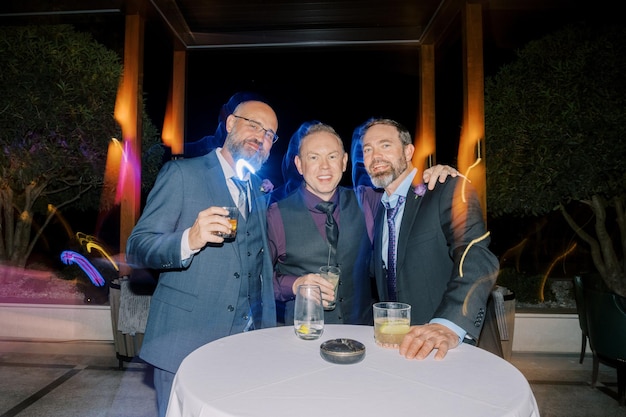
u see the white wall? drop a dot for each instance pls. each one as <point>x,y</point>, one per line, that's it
<point>55,322</point>
<point>558,333</point>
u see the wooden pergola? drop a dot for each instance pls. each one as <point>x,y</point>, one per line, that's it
<point>437,16</point>
<point>240,24</point>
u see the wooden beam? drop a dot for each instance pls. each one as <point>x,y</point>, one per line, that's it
<point>132,132</point>
<point>424,155</point>
<point>178,101</point>
<point>471,146</point>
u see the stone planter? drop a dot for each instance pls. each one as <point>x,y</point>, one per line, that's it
<point>547,332</point>
<point>55,322</point>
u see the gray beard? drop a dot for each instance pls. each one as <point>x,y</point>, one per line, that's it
<point>383,180</point>
<point>237,151</point>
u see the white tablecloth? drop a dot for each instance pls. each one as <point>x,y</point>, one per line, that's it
<point>272,373</point>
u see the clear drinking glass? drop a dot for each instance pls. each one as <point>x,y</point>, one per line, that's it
<point>391,322</point>
<point>308,319</point>
<point>233,217</point>
<point>331,274</point>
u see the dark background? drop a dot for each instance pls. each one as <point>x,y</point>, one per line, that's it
<point>342,86</point>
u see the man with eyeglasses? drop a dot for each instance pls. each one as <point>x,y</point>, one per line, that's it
<point>208,287</point>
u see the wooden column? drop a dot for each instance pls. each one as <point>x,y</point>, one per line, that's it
<point>179,74</point>
<point>132,129</point>
<point>471,147</point>
<point>424,155</point>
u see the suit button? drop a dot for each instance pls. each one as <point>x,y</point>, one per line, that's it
<point>231,308</point>
<point>477,323</point>
<point>236,275</point>
<point>249,254</point>
<point>245,317</point>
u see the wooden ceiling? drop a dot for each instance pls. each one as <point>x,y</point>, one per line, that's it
<point>205,24</point>
<point>202,24</point>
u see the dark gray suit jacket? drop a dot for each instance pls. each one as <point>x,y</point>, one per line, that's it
<point>435,231</point>
<point>193,304</point>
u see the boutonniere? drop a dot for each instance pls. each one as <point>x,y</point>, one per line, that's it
<point>267,186</point>
<point>419,190</point>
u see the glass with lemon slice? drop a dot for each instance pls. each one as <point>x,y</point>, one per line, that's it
<point>392,321</point>
<point>308,319</point>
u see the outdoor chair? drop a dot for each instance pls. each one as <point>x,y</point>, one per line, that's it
<point>606,321</point>
<point>582,315</point>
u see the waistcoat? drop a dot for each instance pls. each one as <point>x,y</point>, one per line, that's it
<point>307,250</point>
<point>249,243</point>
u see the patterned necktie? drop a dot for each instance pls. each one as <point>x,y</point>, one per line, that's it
<point>242,204</point>
<point>391,249</point>
<point>332,231</point>
<point>243,196</point>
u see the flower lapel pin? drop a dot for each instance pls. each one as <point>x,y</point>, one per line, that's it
<point>419,190</point>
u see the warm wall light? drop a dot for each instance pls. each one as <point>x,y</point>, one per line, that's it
<point>111,173</point>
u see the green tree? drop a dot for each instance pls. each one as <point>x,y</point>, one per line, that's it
<point>555,121</point>
<point>56,121</point>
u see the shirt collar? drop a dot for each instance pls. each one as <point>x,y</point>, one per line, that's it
<point>390,201</point>
<point>311,200</point>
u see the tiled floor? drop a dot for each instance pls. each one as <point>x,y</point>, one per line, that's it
<point>83,379</point>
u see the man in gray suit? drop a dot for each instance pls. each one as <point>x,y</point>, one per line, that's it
<point>208,287</point>
<point>439,246</point>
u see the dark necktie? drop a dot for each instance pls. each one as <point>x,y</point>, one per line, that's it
<point>332,231</point>
<point>391,249</point>
<point>243,196</point>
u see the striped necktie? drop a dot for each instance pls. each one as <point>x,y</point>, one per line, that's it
<point>392,250</point>
<point>242,186</point>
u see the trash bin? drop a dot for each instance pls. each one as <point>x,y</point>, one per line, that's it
<point>505,314</point>
<point>126,345</point>
<point>130,300</point>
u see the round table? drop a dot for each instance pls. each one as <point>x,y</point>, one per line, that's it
<point>272,373</point>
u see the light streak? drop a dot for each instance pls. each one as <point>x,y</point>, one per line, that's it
<point>240,165</point>
<point>478,239</point>
<point>70,257</point>
<point>467,179</point>
<point>554,262</point>
<point>90,242</point>
<point>66,225</point>
<point>129,170</point>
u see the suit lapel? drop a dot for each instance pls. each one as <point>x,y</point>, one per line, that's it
<point>215,182</point>
<point>409,217</point>
<point>217,189</point>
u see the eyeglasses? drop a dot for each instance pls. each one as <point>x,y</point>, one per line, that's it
<point>257,127</point>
